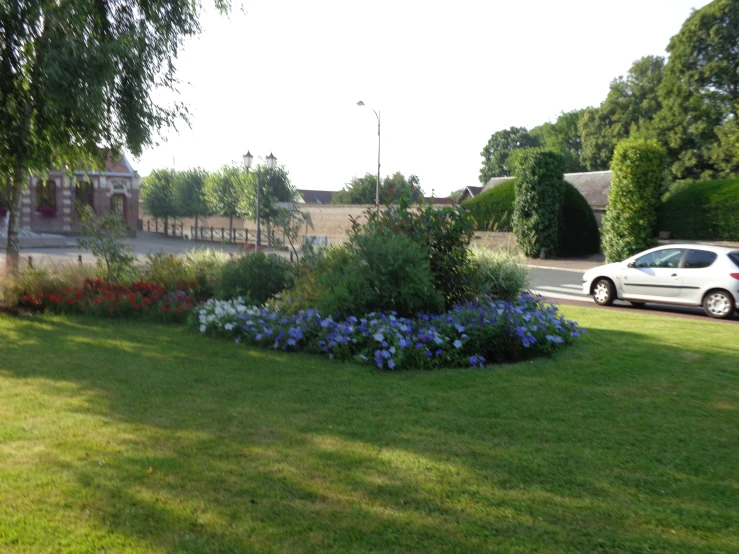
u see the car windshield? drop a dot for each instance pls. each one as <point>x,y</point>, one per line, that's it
<point>734,257</point>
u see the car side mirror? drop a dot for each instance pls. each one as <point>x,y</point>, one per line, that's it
<point>631,264</point>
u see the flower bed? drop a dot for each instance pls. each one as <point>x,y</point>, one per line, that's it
<point>97,297</point>
<point>471,334</point>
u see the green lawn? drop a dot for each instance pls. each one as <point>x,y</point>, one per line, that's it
<point>127,437</point>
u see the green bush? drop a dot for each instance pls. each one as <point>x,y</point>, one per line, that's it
<point>639,181</point>
<point>499,273</point>
<point>537,208</point>
<point>378,273</point>
<point>578,228</point>
<point>256,276</point>
<point>707,210</point>
<point>199,270</point>
<point>493,209</point>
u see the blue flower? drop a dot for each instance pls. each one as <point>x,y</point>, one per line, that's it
<point>457,343</point>
<point>391,364</point>
<point>378,337</point>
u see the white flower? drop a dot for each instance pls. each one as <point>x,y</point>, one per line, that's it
<point>228,326</point>
<point>457,343</point>
<point>378,337</point>
<point>203,328</point>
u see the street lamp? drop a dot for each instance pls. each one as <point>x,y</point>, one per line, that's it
<point>377,189</point>
<point>271,163</point>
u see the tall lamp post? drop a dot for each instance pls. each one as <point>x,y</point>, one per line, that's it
<point>377,189</point>
<point>271,162</point>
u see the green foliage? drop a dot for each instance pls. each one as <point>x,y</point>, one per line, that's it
<point>499,273</point>
<point>106,237</point>
<point>563,137</point>
<point>188,193</point>
<point>158,194</point>
<point>639,181</point>
<point>700,91</point>
<point>43,279</point>
<point>493,209</point>
<point>702,211</point>
<point>229,193</point>
<point>443,233</point>
<point>498,149</point>
<point>578,228</point>
<point>629,108</point>
<point>537,208</point>
<point>379,273</point>
<point>257,276</point>
<point>363,190</point>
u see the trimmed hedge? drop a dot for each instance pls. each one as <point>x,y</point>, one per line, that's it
<point>708,210</point>
<point>578,232</point>
<point>493,209</point>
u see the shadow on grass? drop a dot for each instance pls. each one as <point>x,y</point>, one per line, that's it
<point>163,440</point>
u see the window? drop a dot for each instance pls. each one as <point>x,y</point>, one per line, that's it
<point>118,205</point>
<point>734,257</point>
<point>83,193</point>
<point>697,259</point>
<point>669,257</point>
<point>46,195</point>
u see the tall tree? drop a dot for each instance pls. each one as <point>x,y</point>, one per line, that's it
<point>189,195</point>
<point>78,75</point>
<point>275,186</point>
<point>157,194</point>
<point>362,190</point>
<point>228,192</point>
<point>629,108</point>
<point>563,137</point>
<point>498,149</point>
<point>700,91</point>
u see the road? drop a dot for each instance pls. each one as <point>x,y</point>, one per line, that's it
<point>565,287</point>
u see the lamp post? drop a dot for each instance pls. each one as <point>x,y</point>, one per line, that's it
<point>271,162</point>
<point>377,189</point>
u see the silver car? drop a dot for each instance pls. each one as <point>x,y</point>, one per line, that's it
<point>681,274</point>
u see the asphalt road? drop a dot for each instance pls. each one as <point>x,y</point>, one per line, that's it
<point>565,287</point>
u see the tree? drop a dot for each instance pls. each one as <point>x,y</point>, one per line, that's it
<point>639,181</point>
<point>362,190</point>
<point>456,194</point>
<point>629,108</point>
<point>498,149</point>
<point>700,91</point>
<point>537,207</point>
<point>157,193</point>
<point>229,193</point>
<point>276,188</point>
<point>106,237</point>
<point>563,137</point>
<point>189,193</point>
<point>77,83</point>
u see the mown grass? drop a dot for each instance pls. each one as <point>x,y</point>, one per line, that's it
<point>131,437</point>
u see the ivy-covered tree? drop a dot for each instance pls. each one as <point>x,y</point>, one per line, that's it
<point>499,147</point>
<point>639,180</point>
<point>77,82</point>
<point>631,105</point>
<point>700,91</point>
<point>158,195</point>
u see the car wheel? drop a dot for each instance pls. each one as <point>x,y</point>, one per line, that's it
<point>638,304</point>
<point>603,292</point>
<point>719,304</point>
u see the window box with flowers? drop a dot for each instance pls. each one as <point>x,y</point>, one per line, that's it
<point>46,211</point>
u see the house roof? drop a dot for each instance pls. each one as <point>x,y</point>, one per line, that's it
<point>316,196</point>
<point>474,191</point>
<point>593,185</point>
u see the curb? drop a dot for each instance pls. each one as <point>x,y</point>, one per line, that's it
<point>571,270</point>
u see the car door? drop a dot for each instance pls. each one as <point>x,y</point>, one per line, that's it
<point>654,276</point>
<point>695,275</point>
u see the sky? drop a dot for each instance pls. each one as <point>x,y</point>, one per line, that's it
<point>285,76</point>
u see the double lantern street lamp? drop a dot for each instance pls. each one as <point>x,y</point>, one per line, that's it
<point>271,162</point>
<point>377,189</point>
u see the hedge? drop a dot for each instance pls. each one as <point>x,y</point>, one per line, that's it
<point>493,209</point>
<point>707,210</point>
<point>578,232</point>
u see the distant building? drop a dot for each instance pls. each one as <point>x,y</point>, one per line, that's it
<point>47,203</point>
<point>469,193</point>
<point>315,196</point>
<point>445,201</point>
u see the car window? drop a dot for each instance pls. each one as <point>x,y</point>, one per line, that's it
<point>697,259</point>
<point>669,257</point>
<point>734,257</point>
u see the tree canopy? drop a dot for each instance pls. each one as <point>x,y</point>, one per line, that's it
<point>563,137</point>
<point>158,194</point>
<point>362,190</point>
<point>499,147</point>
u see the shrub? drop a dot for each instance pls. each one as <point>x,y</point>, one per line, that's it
<point>500,274</point>
<point>379,274</point>
<point>493,209</point>
<point>43,279</point>
<point>639,180</point>
<point>199,270</point>
<point>443,233</point>
<point>578,228</point>
<point>537,208</point>
<point>470,334</point>
<point>106,237</point>
<point>257,276</point>
<point>707,210</point>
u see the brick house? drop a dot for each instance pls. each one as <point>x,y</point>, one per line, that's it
<point>47,203</point>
